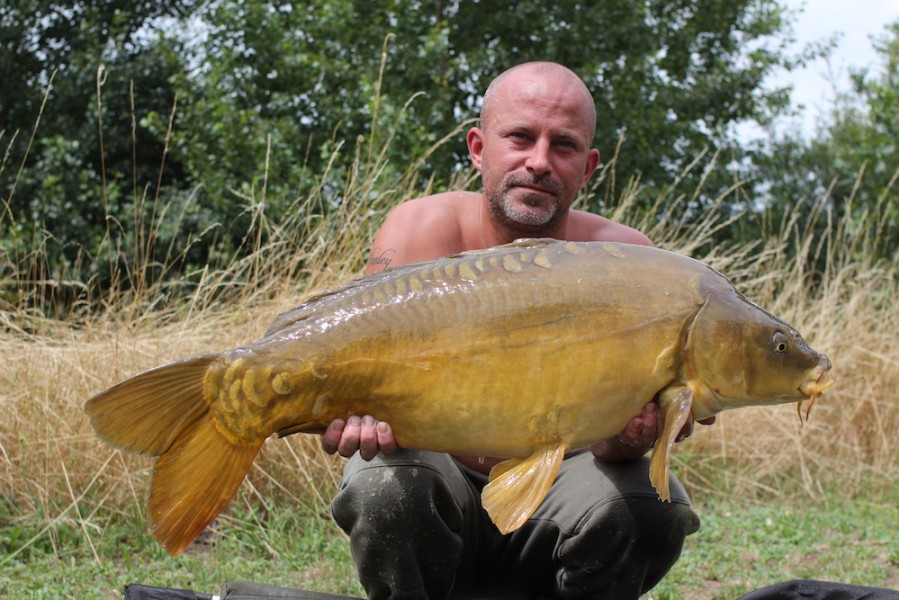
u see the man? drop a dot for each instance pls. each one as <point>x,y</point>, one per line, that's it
<point>416,526</point>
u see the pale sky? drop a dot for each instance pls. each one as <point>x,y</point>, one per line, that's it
<point>856,21</point>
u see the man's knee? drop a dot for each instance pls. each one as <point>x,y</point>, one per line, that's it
<point>404,526</point>
<point>395,493</point>
<point>624,548</point>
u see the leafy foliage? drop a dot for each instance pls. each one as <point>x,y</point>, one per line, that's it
<point>668,76</point>
<point>852,161</point>
<point>73,72</point>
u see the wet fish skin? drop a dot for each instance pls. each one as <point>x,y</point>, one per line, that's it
<point>522,352</point>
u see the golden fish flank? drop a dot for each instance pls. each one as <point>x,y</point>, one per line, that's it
<point>522,352</point>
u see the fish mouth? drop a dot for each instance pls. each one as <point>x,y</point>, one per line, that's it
<point>812,389</point>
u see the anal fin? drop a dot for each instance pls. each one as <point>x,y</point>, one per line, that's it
<point>676,404</point>
<point>518,486</point>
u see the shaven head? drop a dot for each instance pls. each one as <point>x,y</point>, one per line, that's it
<point>538,70</point>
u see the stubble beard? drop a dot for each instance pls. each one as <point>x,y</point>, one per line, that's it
<point>530,213</point>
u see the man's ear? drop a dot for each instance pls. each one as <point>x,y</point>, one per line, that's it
<point>475,140</point>
<point>592,163</point>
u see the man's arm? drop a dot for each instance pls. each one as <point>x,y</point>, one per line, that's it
<point>416,231</point>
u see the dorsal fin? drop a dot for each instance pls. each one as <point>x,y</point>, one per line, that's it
<point>519,243</point>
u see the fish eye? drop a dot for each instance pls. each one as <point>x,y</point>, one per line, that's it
<point>779,342</point>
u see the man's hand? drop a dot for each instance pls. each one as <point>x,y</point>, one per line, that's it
<point>639,436</point>
<point>366,434</point>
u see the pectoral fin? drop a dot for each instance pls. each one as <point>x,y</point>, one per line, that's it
<point>518,486</point>
<point>675,404</point>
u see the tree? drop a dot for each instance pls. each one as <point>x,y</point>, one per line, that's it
<point>88,73</point>
<point>852,161</point>
<point>670,76</point>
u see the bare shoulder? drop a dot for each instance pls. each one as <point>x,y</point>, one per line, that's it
<point>440,208</point>
<point>589,227</point>
<point>422,229</point>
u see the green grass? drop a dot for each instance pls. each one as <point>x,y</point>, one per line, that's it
<point>288,546</point>
<point>743,547</point>
<point>740,547</point>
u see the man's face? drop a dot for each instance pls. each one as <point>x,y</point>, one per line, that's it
<point>533,150</point>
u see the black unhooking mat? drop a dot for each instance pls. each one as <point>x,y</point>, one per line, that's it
<point>136,591</point>
<point>238,590</point>
<point>233,590</point>
<point>820,590</point>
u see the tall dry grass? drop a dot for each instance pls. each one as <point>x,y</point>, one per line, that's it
<point>56,476</point>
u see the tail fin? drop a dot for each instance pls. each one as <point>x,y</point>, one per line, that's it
<point>148,412</point>
<point>194,481</point>
<point>164,412</point>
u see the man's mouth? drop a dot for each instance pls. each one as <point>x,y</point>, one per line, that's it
<point>534,188</point>
<point>549,190</point>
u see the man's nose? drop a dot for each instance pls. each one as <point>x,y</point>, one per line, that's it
<point>538,162</point>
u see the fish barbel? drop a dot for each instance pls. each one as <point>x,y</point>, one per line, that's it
<point>522,352</point>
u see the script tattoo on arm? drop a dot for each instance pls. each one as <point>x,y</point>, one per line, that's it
<point>381,259</point>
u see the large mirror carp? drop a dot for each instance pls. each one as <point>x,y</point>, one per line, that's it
<point>524,352</point>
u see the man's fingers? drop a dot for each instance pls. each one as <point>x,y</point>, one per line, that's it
<point>651,422</point>
<point>687,429</point>
<point>386,441</point>
<point>650,414</point>
<point>368,438</point>
<point>349,440</point>
<point>331,436</point>
<point>642,429</point>
<point>365,434</point>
